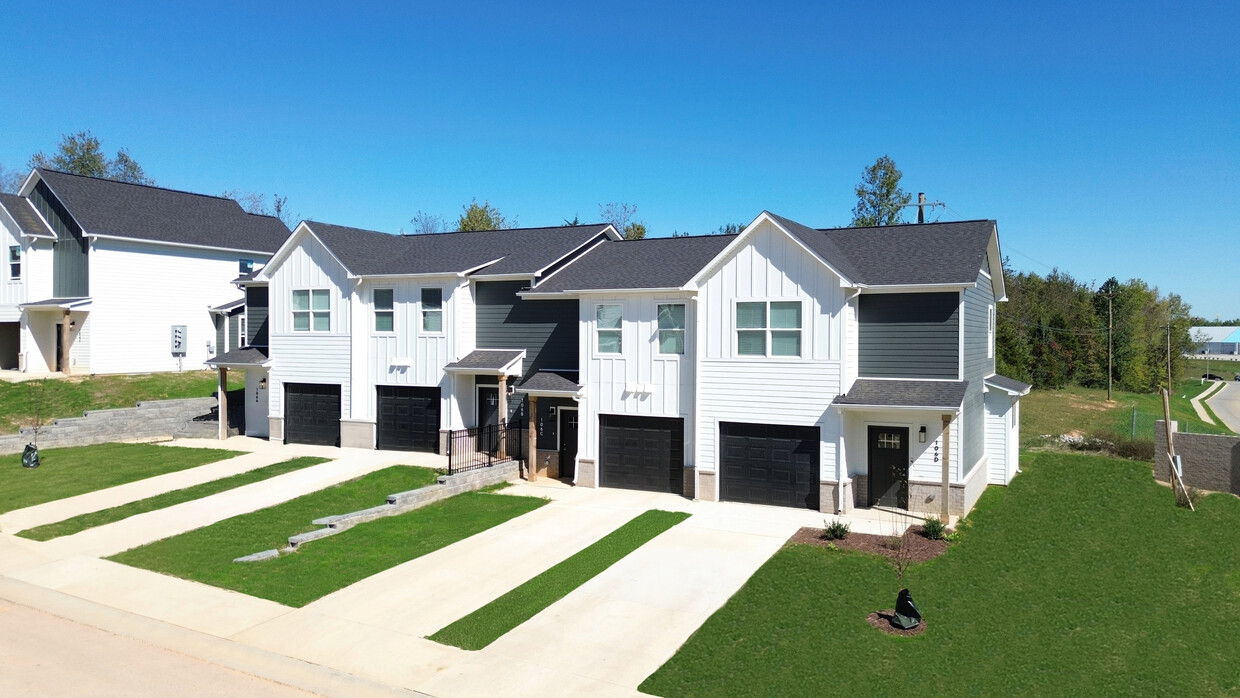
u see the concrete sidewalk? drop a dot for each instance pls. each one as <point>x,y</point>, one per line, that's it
<point>1205,395</point>
<point>1226,404</point>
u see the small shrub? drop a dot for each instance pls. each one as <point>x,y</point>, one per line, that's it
<point>832,546</point>
<point>836,530</point>
<point>1134,449</point>
<point>1194,497</point>
<point>933,528</point>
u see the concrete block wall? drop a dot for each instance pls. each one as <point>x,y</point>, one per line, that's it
<point>149,421</point>
<point>1210,462</point>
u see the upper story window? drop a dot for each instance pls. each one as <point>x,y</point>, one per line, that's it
<point>432,310</point>
<point>245,266</point>
<point>15,262</point>
<point>990,332</point>
<point>671,328</point>
<point>610,320</point>
<point>312,311</point>
<point>385,310</point>
<point>768,328</point>
<point>241,331</point>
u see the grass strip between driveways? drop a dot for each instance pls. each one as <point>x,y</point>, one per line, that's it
<point>323,566</point>
<point>67,472</point>
<point>167,499</point>
<point>492,621</point>
<point>1081,578</point>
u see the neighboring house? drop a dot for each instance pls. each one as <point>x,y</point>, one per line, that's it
<point>790,366</point>
<point>118,277</point>
<point>392,342</point>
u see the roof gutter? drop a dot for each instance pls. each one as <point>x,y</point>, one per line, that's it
<point>187,245</point>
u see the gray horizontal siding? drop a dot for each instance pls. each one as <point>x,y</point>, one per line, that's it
<point>546,330</point>
<point>219,333</point>
<point>909,335</point>
<point>256,311</point>
<point>977,366</point>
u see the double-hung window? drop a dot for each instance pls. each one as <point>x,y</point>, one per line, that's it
<point>671,328</point>
<point>990,332</point>
<point>385,310</point>
<point>15,262</point>
<point>610,321</point>
<point>312,311</point>
<point>768,328</point>
<point>432,310</point>
<point>241,331</point>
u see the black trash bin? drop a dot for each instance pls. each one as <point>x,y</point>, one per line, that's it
<point>30,456</point>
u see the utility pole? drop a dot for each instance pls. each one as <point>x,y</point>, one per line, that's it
<point>1110,344</point>
<point>1169,385</point>
<point>922,204</point>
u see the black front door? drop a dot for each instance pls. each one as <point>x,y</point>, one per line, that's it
<point>568,442</point>
<point>60,344</point>
<point>888,450</point>
<point>488,419</point>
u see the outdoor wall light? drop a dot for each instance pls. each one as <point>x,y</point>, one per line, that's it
<point>921,435</point>
<point>262,385</point>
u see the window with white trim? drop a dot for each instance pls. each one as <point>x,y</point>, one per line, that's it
<point>671,328</point>
<point>609,321</point>
<point>432,310</point>
<point>312,310</point>
<point>241,333</point>
<point>384,301</point>
<point>990,332</point>
<point>15,262</point>
<point>768,328</point>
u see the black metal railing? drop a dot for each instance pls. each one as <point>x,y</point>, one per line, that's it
<point>485,446</point>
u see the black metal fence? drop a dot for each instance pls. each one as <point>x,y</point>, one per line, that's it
<point>485,446</point>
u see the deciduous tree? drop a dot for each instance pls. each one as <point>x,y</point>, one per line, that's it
<point>81,153</point>
<point>880,200</point>
<point>483,216</point>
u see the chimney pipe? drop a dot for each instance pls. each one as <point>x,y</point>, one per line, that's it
<point>921,207</point>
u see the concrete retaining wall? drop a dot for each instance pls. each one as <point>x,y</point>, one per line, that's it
<point>149,421</point>
<point>1210,462</point>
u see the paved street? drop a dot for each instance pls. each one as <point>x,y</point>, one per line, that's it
<point>1226,404</point>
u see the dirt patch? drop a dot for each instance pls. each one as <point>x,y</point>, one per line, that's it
<point>919,547</point>
<point>882,621</point>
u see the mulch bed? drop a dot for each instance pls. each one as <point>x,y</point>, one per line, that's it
<point>916,544</point>
<point>882,621</point>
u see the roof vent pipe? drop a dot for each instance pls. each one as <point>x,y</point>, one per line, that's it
<point>921,207</point>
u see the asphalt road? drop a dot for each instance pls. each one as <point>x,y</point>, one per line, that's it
<point>1226,404</point>
<point>44,655</point>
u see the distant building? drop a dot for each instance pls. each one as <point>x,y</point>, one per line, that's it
<point>1216,340</point>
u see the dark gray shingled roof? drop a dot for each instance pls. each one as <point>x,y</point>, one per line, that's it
<point>905,393</point>
<point>917,253</point>
<point>230,305</point>
<point>140,212</point>
<point>248,356</point>
<point>27,218</point>
<point>486,360</point>
<point>549,382</point>
<point>1009,384</point>
<point>628,264</point>
<point>515,251</point>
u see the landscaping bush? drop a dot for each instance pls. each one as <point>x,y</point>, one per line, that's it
<point>933,528</point>
<point>1133,449</point>
<point>836,530</point>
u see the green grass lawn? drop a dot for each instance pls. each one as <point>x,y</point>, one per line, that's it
<point>66,472</point>
<point>72,396</point>
<point>323,566</point>
<point>492,621</point>
<point>1081,578</point>
<point>98,518</point>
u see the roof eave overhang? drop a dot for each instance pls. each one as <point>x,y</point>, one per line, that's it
<point>551,393</point>
<point>1014,393</point>
<point>232,364</point>
<point>508,369</point>
<point>67,305</point>
<point>914,288</point>
<point>938,408</point>
<point>163,243</point>
<point>290,243</point>
<point>535,295</point>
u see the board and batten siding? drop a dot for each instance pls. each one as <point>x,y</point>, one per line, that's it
<point>618,383</point>
<point>310,357</point>
<point>408,355</point>
<point>546,330</point>
<point>779,390</point>
<point>924,466</point>
<point>140,291</point>
<point>909,335</point>
<point>12,291</point>
<point>71,260</point>
<point>977,366</point>
<point>998,413</point>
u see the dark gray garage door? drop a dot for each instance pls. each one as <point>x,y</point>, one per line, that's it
<point>312,414</point>
<point>642,453</point>
<point>769,464</point>
<point>408,418</point>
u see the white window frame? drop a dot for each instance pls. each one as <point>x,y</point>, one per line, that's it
<point>598,329</point>
<point>422,312</point>
<point>658,331</point>
<point>15,265</point>
<point>376,311</point>
<point>990,331</point>
<point>310,312</point>
<point>803,329</point>
<point>241,333</point>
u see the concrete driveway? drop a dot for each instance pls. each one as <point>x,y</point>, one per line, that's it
<point>1226,404</point>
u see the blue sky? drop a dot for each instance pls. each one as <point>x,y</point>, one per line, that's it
<point>1104,137</point>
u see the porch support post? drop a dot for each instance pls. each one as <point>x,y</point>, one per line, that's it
<point>531,451</point>
<point>947,474</point>
<point>222,391</point>
<point>65,335</point>
<point>503,417</point>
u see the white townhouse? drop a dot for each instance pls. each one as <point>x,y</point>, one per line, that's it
<point>391,341</point>
<point>790,366</point>
<point>112,277</point>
